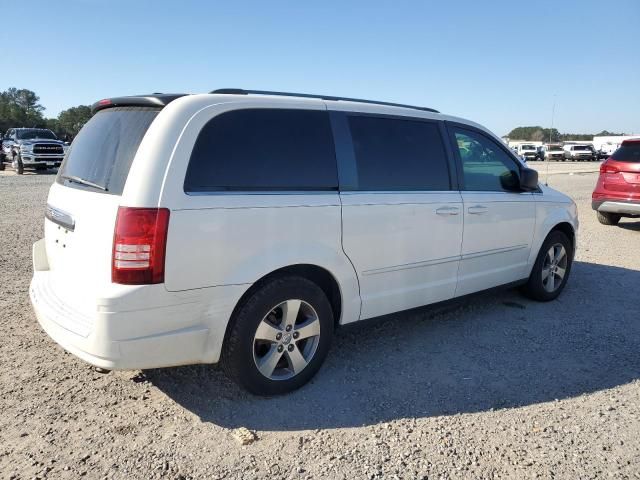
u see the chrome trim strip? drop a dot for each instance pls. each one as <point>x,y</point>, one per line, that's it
<point>440,261</point>
<point>60,217</point>
<point>494,251</point>
<point>409,266</point>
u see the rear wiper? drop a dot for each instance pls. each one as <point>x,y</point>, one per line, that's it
<point>82,181</point>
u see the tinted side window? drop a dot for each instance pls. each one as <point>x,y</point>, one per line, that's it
<point>485,166</point>
<point>264,149</point>
<point>398,154</point>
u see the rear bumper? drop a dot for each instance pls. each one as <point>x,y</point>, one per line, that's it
<point>616,206</point>
<point>135,327</point>
<point>40,160</point>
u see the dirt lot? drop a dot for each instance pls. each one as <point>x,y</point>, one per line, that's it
<point>499,388</point>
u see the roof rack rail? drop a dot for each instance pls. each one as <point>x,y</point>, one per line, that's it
<point>240,91</point>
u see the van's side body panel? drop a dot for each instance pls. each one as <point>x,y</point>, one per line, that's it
<point>404,245</point>
<point>497,241</point>
<point>406,254</point>
<point>242,236</point>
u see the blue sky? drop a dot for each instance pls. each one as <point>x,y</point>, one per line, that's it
<point>498,63</point>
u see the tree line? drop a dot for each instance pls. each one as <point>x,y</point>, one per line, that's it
<point>22,108</point>
<point>539,134</point>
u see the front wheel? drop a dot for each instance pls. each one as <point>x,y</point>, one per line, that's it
<point>17,164</point>
<point>551,270</point>
<point>279,337</point>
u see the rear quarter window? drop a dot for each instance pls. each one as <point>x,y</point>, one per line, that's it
<point>264,150</point>
<point>104,149</point>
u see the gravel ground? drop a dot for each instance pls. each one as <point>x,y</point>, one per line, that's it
<point>501,387</point>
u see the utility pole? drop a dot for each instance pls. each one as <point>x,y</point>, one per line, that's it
<point>553,111</point>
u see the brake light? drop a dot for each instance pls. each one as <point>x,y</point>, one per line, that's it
<point>139,244</point>
<point>608,168</point>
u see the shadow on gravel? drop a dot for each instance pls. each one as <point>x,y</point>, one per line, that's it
<point>630,225</point>
<point>498,351</point>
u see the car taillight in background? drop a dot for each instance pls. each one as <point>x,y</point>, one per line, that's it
<point>139,245</point>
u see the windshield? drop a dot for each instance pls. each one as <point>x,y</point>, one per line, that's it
<point>33,133</point>
<point>528,147</point>
<point>581,147</point>
<point>102,153</point>
<point>553,147</point>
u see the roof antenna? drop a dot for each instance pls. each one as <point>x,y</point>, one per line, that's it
<point>548,160</point>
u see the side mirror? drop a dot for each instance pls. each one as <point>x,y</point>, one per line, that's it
<point>528,179</point>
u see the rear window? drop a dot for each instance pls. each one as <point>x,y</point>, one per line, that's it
<point>397,154</point>
<point>264,150</point>
<point>102,153</point>
<point>628,152</point>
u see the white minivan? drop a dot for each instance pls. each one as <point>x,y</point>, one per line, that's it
<point>244,226</point>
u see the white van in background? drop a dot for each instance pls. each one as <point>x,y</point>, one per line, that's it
<point>527,150</point>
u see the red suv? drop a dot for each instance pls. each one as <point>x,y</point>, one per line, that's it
<point>617,193</point>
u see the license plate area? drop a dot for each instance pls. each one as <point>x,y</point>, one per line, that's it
<point>633,178</point>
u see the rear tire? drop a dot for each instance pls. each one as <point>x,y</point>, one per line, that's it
<point>606,218</point>
<point>260,351</point>
<point>552,268</point>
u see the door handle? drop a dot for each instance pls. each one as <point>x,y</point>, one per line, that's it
<point>448,211</point>
<point>477,210</point>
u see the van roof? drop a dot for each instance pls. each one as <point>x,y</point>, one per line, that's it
<point>161,100</point>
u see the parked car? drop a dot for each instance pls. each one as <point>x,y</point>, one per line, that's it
<point>553,151</point>
<point>617,193</point>
<point>527,151</point>
<point>242,227</point>
<point>578,153</point>
<point>606,150</point>
<point>37,148</point>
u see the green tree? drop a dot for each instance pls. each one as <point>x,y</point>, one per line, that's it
<point>20,108</point>
<point>535,134</point>
<point>606,133</point>
<point>70,121</point>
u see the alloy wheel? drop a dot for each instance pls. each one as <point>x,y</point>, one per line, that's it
<point>554,267</point>
<point>286,339</point>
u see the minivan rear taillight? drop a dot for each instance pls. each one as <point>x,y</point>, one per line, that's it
<point>139,243</point>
